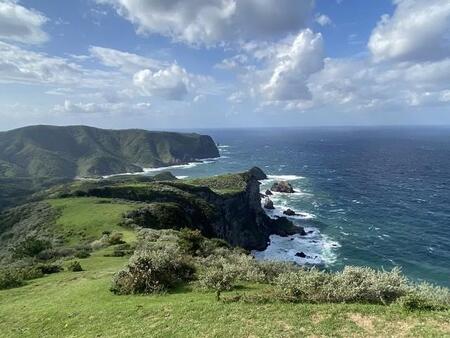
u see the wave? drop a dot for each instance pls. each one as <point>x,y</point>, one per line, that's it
<point>284,177</point>
<point>183,166</point>
<point>317,248</point>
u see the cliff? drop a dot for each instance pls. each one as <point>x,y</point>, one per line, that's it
<point>226,207</point>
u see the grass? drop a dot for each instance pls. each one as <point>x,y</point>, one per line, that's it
<point>222,184</point>
<point>80,304</point>
<point>87,217</point>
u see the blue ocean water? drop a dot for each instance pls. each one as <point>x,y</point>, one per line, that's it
<point>376,197</point>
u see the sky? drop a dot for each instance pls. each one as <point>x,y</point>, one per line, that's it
<point>169,64</point>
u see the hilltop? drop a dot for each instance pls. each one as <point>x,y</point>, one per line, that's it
<point>50,151</point>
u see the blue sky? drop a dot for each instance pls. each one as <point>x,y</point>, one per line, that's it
<point>161,64</point>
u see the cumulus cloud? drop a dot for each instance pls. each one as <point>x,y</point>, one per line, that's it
<point>417,31</point>
<point>171,83</point>
<point>292,67</point>
<point>20,24</point>
<point>214,21</point>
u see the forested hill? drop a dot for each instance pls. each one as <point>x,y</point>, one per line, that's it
<point>51,151</point>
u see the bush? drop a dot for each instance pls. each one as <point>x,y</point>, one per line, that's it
<point>426,297</point>
<point>353,284</point>
<point>219,276</point>
<point>115,238</point>
<point>152,271</point>
<point>30,247</point>
<point>74,266</point>
<point>271,270</point>
<point>48,269</point>
<point>360,284</point>
<point>303,285</point>
<point>10,278</point>
<point>190,241</point>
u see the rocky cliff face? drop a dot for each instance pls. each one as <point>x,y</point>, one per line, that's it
<point>236,217</point>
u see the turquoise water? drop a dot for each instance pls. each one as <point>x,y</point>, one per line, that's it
<point>377,197</point>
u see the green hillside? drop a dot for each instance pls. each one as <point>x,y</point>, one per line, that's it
<point>50,151</point>
<point>80,304</point>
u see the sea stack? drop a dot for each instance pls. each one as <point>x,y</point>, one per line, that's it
<point>282,186</point>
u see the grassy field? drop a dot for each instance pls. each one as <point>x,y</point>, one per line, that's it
<point>86,218</point>
<point>79,304</point>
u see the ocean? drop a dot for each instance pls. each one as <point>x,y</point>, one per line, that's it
<point>371,196</point>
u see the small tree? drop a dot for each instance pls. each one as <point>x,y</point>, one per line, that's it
<point>219,277</point>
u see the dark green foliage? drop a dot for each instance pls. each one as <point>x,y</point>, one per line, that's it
<point>49,268</point>
<point>74,266</point>
<point>49,151</point>
<point>20,226</point>
<point>30,247</point>
<point>10,278</point>
<point>190,241</point>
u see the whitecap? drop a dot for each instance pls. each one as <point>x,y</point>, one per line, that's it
<point>284,177</point>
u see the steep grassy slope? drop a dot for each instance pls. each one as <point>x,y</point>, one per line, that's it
<point>49,151</point>
<point>79,304</point>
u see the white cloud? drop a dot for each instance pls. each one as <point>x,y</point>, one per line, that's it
<point>171,83</point>
<point>70,107</point>
<point>363,85</point>
<point>20,24</point>
<point>233,62</point>
<point>20,65</point>
<point>214,21</point>
<point>323,19</point>
<point>126,62</point>
<point>292,67</point>
<point>418,30</point>
<point>237,97</point>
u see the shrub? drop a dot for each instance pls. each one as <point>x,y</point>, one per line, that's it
<point>30,247</point>
<point>271,270</point>
<point>303,285</point>
<point>152,271</point>
<point>116,238</point>
<point>48,269</point>
<point>74,266</point>
<point>10,278</point>
<point>425,296</point>
<point>219,276</point>
<point>190,241</point>
<point>361,284</point>
<point>353,284</point>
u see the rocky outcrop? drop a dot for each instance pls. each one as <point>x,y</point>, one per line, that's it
<point>289,212</point>
<point>236,217</point>
<point>268,204</point>
<point>282,186</point>
<point>268,193</point>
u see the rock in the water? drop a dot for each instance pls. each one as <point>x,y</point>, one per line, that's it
<point>268,192</point>
<point>268,204</point>
<point>282,186</point>
<point>289,212</point>
<point>300,254</point>
<point>262,196</point>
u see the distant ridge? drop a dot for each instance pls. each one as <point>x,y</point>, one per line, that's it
<point>51,151</point>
